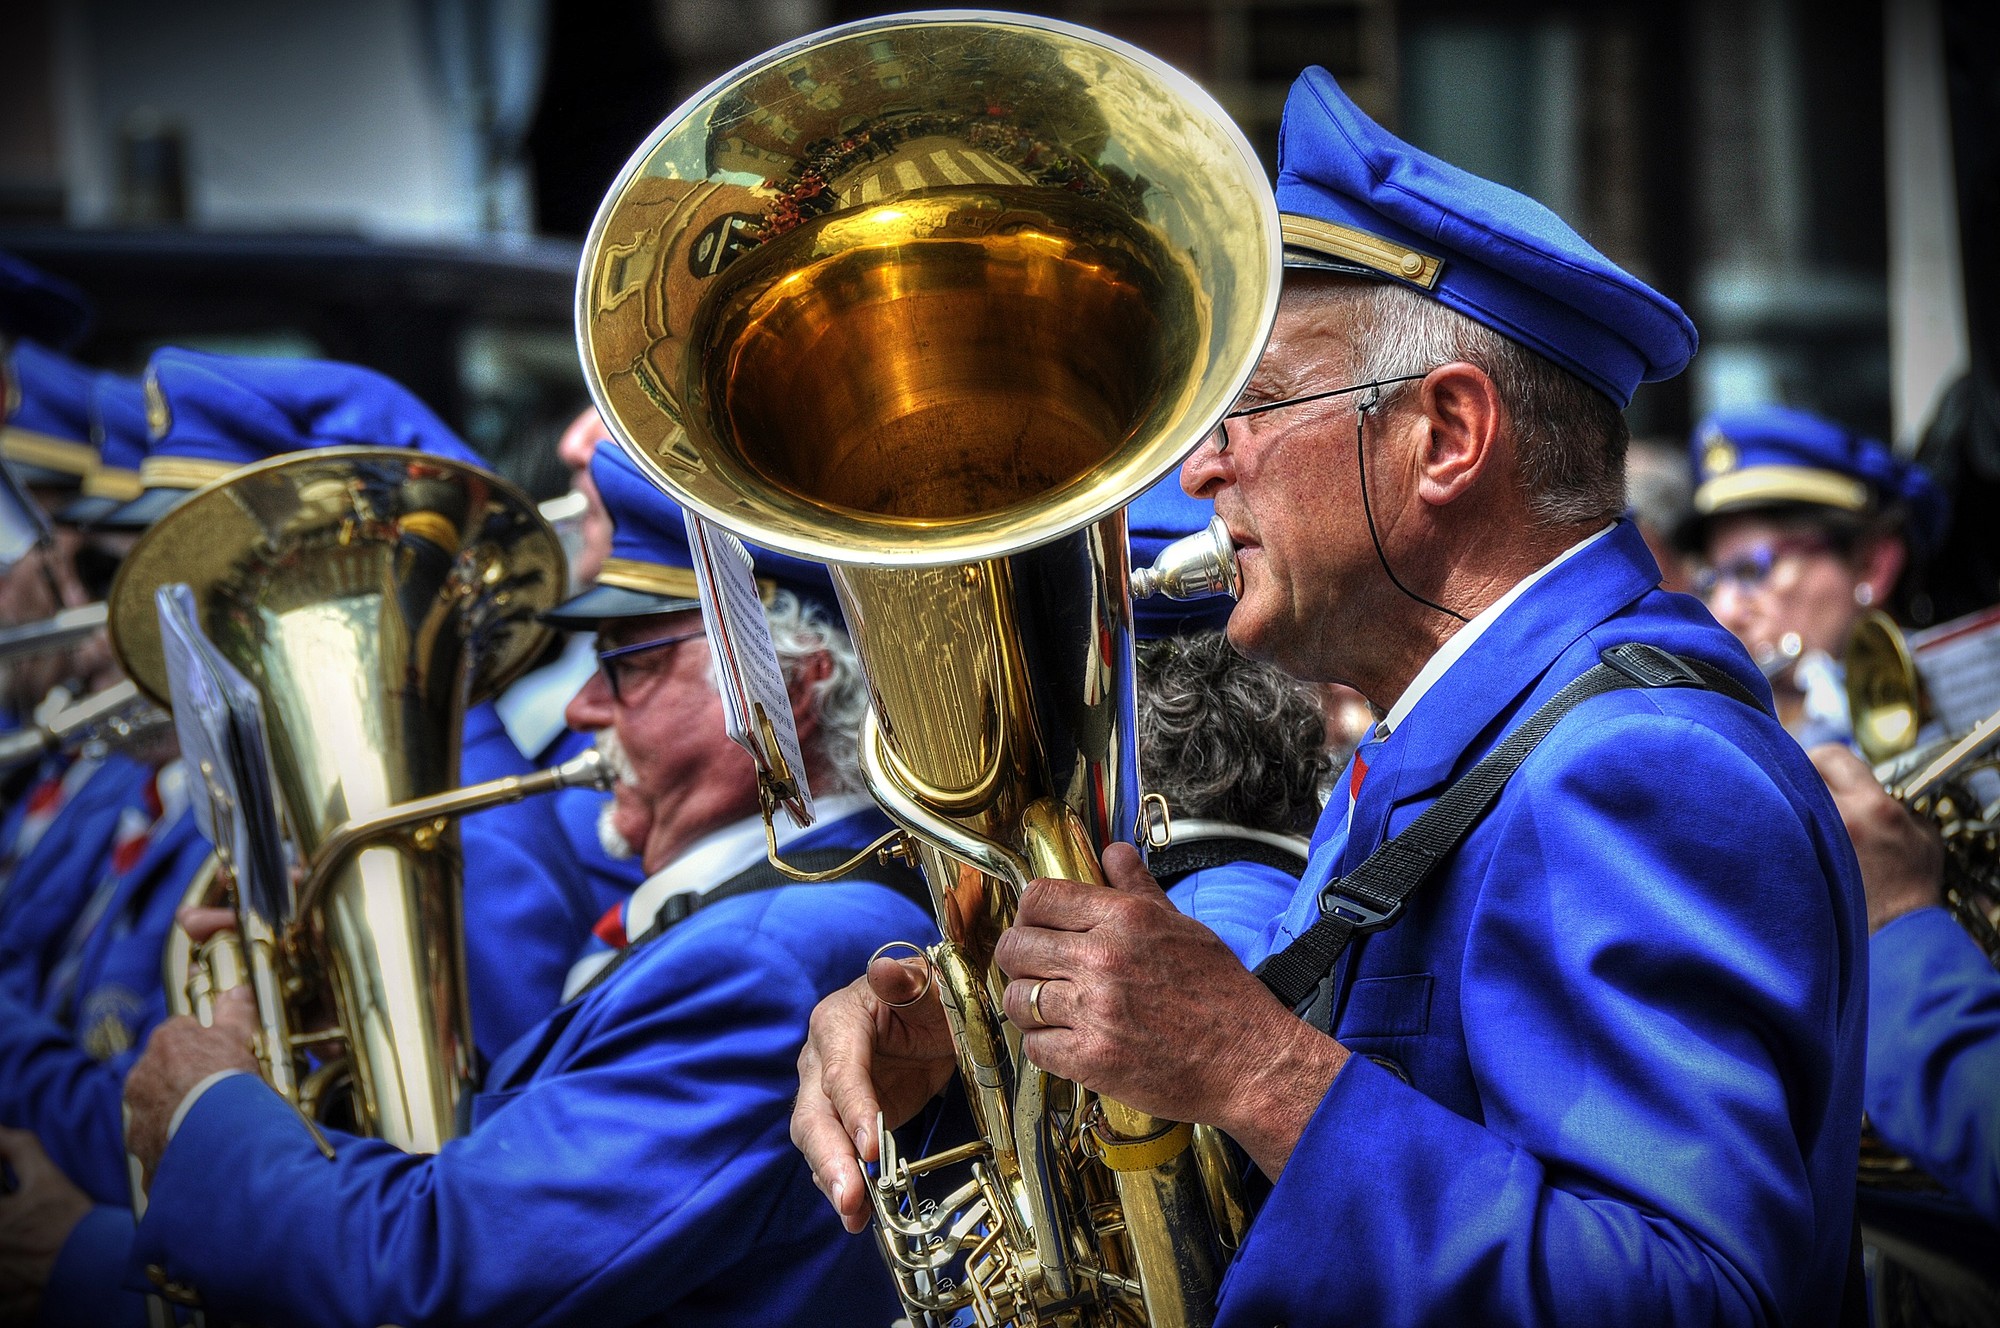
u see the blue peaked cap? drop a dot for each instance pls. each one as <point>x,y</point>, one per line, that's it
<point>38,306</point>
<point>1355,199</point>
<point>1761,457</point>
<point>118,427</point>
<point>1156,518</point>
<point>650,570</point>
<point>208,415</point>
<point>47,436</point>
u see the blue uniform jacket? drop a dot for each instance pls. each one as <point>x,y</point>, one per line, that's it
<point>63,1056</point>
<point>1934,1053</point>
<point>1236,901</point>
<point>1608,1066</point>
<point>629,1162</point>
<point>53,880</point>
<point>532,894</point>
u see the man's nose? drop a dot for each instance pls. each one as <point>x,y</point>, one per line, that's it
<point>592,707</point>
<point>1208,467</point>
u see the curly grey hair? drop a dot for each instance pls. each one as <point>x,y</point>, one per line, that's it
<point>1225,738</point>
<point>1571,437</point>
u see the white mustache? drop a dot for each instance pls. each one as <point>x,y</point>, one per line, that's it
<point>614,754</point>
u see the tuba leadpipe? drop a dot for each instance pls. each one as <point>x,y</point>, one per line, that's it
<point>930,298</point>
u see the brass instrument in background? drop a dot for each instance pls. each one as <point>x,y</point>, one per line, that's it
<point>63,628</point>
<point>369,595</point>
<point>931,298</point>
<point>116,716</point>
<point>1887,710</point>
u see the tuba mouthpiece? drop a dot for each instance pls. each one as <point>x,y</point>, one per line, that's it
<point>1193,567</point>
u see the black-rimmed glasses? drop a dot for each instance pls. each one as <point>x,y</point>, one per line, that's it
<point>1244,412</point>
<point>613,662</point>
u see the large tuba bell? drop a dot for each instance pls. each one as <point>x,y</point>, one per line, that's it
<point>931,298</point>
<point>368,595</point>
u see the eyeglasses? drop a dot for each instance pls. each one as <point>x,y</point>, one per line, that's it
<point>614,662</point>
<point>1221,434</point>
<point>1751,570</point>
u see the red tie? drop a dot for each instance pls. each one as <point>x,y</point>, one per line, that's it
<point>611,927</point>
<point>1354,780</point>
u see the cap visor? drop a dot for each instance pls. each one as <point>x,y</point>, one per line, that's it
<point>603,603</point>
<point>88,510</point>
<point>142,511</point>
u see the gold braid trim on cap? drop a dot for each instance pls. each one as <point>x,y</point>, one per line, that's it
<point>1757,485</point>
<point>48,451</point>
<point>172,472</point>
<point>664,579</point>
<point>113,482</point>
<point>1358,246</point>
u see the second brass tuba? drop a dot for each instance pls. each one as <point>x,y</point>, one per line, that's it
<point>369,595</point>
<point>931,298</point>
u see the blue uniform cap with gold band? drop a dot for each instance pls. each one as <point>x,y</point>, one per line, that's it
<point>650,570</point>
<point>47,435</point>
<point>1761,458</point>
<point>40,307</point>
<point>207,415</point>
<point>1156,518</point>
<point>118,426</point>
<point>1356,200</point>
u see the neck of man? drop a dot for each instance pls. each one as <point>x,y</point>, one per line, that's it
<point>1467,574</point>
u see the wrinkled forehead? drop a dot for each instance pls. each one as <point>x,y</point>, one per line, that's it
<point>1319,316</point>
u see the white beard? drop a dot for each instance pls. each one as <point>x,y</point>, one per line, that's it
<point>615,845</point>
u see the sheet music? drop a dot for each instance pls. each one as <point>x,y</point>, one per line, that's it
<point>1959,662</point>
<point>747,671</point>
<point>220,721</point>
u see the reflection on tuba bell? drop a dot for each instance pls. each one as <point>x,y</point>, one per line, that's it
<point>368,595</point>
<point>931,298</point>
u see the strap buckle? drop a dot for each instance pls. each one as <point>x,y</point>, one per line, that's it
<point>1361,915</point>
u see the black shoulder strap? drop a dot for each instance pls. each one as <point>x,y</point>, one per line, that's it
<point>761,875</point>
<point>1373,895</point>
<point>1176,862</point>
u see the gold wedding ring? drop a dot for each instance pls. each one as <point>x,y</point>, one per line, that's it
<point>1035,1002</point>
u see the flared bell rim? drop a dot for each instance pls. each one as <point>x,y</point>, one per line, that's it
<point>661,444</point>
<point>184,545</point>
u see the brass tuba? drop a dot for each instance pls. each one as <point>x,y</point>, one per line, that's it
<point>931,298</point>
<point>369,595</point>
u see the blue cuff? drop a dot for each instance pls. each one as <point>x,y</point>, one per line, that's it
<point>86,1288</point>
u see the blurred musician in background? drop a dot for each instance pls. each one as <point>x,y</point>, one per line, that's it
<point>627,1162</point>
<point>1606,1067</point>
<point>1800,528</point>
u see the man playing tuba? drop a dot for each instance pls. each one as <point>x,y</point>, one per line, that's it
<point>627,1162</point>
<point>1604,1067</point>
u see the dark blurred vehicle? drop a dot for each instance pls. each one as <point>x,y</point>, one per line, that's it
<point>483,331</point>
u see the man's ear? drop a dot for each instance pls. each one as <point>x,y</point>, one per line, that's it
<point>807,674</point>
<point>1459,431</point>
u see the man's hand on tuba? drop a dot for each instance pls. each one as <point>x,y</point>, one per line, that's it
<point>873,1047</point>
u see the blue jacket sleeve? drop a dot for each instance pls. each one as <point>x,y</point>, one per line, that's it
<point>527,918</point>
<point>1933,1086</point>
<point>71,1100</point>
<point>1653,1018</point>
<point>85,1289</point>
<point>604,1193</point>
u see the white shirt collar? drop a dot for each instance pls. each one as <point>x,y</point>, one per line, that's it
<point>721,854</point>
<point>1462,640</point>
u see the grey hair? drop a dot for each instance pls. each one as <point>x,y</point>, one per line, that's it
<point>1225,738</point>
<point>801,630</point>
<point>1571,437</point>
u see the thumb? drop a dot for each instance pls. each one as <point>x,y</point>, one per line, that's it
<point>897,982</point>
<point>1125,871</point>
